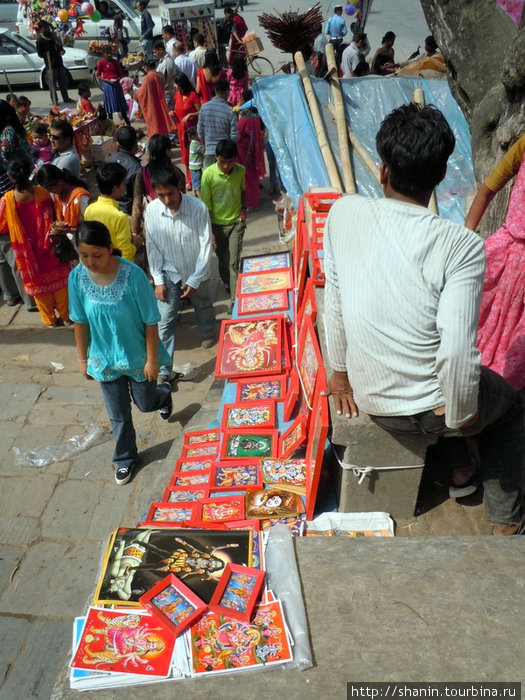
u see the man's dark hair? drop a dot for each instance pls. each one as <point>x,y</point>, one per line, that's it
<point>359,36</point>
<point>165,177</point>
<point>126,137</point>
<point>158,44</point>
<point>64,128</point>
<point>168,29</point>
<point>110,175</point>
<point>222,87</point>
<point>199,38</point>
<point>226,148</point>
<point>415,143</point>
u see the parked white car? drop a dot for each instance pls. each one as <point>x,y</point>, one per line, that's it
<point>19,59</point>
<point>99,31</point>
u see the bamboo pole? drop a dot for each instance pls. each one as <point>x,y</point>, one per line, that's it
<point>419,99</point>
<point>340,120</point>
<point>359,149</point>
<point>322,139</point>
<point>7,81</point>
<point>51,79</point>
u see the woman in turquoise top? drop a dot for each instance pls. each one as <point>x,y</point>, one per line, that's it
<point>115,313</point>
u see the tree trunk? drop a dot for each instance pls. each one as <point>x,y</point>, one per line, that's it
<point>485,54</point>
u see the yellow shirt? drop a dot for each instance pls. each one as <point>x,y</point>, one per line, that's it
<point>507,167</point>
<point>106,210</point>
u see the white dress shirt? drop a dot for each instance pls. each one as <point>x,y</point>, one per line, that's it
<point>179,245</point>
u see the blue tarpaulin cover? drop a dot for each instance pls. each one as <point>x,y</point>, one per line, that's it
<point>282,106</point>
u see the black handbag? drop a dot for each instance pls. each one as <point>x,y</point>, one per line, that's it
<point>64,250</point>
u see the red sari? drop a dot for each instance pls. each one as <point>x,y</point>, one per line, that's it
<point>152,102</point>
<point>28,223</point>
<point>250,153</point>
<point>184,105</point>
<point>207,89</point>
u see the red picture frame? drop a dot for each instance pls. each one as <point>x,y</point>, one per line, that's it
<point>237,592</point>
<point>185,494</point>
<point>249,443</point>
<point>194,464</point>
<point>265,262</point>
<point>159,508</point>
<point>309,358</point>
<point>301,261</point>
<point>291,396</point>
<point>293,438</point>
<point>168,592</point>
<point>236,476</point>
<point>208,449</point>
<point>238,415</point>
<point>317,436</point>
<point>262,303</point>
<point>249,347</point>
<point>308,304</point>
<point>283,473</point>
<point>268,281</point>
<point>200,437</point>
<point>220,509</point>
<point>200,478</point>
<point>262,389</point>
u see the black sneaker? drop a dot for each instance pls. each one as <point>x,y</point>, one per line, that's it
<point>165,411</point>
<point>123,474</point>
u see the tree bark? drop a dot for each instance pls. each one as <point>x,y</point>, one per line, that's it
<point>485,54</point>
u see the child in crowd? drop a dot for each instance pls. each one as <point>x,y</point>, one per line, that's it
<point>12,100</point>
<point>41,148</point>
<point>128,88</point>
<point>223,191</point>
<point>85,106</point>
<point>237,76</point>
<point>196,159</point>
<point>24,113</point>
<point>116,334</point>
<point>111,181</point>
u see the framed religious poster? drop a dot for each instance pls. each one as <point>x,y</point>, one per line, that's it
<point>249,414</point>
<point>172,603</point>
<point>249,443</point>
<point>249,347</point>
<point>258,389</point>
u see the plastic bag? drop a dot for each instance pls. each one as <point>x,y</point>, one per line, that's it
<point>42,456</point>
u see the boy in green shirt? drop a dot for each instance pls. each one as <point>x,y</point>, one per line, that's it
<point>223,192</point>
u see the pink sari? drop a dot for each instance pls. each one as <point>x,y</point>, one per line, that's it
<point>250,153</point>
<point>501,330</point>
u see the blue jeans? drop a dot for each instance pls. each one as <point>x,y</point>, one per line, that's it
<point>147,396</point>
<point>147,47</point>
<point>500,437</point>
<point>169,312</point>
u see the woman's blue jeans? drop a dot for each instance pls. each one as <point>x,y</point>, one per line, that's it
<point>147,396</point>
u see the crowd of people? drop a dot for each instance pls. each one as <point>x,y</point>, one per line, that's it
<point>169,220</point>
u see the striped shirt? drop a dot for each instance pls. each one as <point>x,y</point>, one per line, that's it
<point>216,122</point>
<point>401,307</point>
<point>178,245</point>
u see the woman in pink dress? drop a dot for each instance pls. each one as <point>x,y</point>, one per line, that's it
<point>187,105</point>
<point>237,76</point>
<point>501,330</point>
<point>150,97</point>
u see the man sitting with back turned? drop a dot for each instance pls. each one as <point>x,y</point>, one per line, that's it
<point>402,301</point>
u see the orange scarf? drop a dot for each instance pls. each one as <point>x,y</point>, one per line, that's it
<point>71,212</point>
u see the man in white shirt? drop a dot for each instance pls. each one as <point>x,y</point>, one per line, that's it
<point>184,63</point>
<point>402,302</point>
<point>199,52</point>
<point>178,243</point>
<point>353,55</point>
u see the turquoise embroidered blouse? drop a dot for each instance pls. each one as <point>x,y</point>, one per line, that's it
<point>117,316</point>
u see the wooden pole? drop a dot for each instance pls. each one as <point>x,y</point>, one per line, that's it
<point>359,149</point>
<point>419,99</point>
<point>7,81</point>
<point>51,79</point>
<point>322,139</point>
<point>340,120</point>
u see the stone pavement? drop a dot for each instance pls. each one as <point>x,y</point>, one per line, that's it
<point>55,519</point>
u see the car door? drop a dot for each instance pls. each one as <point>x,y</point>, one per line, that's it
<point>20,65</point>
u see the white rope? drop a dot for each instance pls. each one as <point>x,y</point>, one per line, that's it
<point>361,472</point>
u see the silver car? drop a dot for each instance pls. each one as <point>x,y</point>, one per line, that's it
<point>23,66</point>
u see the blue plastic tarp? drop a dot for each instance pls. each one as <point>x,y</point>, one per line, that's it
<point>284,110</point>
